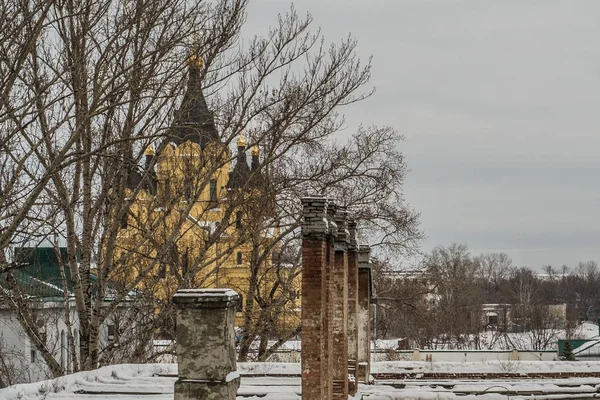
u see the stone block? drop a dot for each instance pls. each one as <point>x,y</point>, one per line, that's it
<point>194,389</point>
<point>206,354</point>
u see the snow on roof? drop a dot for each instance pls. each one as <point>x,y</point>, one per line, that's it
<point>586,346</point>
<point>587,330</point>
<point>280,381</point>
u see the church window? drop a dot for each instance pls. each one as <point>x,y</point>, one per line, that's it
<point>111,332</point>
<point>187,188</point>
<point>63,347</point>
<point>239,258</point>
<point>124,221</point>
<point>184,262</point>
<point>213,190</point>
<point>240,304</point>
<point>162,270</point>
<point>238,220</point>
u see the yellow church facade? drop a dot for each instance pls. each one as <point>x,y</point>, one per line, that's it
<point>199,217</point>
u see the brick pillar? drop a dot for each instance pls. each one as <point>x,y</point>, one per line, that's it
<point>329,301</point>
<point>315,251</point>
<point>352,306</point>
<point>363,315</point>
<point>206,355</point>
<point>339,301</point>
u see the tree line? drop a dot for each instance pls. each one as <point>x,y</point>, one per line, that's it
<point>443,302</point>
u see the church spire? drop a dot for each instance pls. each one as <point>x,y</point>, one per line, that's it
<point>194,121</point>
<point>238,178</point>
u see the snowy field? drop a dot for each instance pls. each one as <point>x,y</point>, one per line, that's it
<point>279,381</point>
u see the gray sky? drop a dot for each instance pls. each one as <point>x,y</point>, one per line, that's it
<point>499,103</point>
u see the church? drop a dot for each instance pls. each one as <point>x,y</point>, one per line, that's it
<point>199,216</point>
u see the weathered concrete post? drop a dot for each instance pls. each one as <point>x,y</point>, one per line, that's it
<point>364,317</point>
<point>352,306</point>
<point>339,302</point>
<point>315,250</point>
<point>206,344</point>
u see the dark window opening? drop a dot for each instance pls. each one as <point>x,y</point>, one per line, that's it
<point>240,304</point>
<point>162,270</point>
<point>239,258</point>
<point>187,191</point>
<point>492,320</point>
<point>213,190</point>
<point>111,332</point>
<point>124,221</point>
<point>33,356</point>
<point>185,259</point>
<point>238,220</point>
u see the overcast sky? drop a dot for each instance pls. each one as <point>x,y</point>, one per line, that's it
<point>499,102</point>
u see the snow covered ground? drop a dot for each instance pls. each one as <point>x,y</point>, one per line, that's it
<point>155,381</point>
<point>493,340</point>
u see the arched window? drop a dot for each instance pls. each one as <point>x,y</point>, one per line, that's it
<point>239,258</point>
<point>238,220</point>
<point>240,305</point>
<point>124,221</point>
<point>185,261</point>
<point>63,349</point>
<point>213,190</point>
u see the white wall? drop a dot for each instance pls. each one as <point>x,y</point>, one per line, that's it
<point>16,348</point>
<point>463,355</point>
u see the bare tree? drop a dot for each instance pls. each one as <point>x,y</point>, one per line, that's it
<point>453,274</point>
<point>87,86</point>
<point>493,271</point>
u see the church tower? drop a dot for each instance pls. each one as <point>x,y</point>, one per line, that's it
<point>192,214</point>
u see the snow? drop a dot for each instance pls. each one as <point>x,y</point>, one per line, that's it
<point>232,376</point>
<point>280,381</point>
<point>206,293</point>
<point>587,330</point>
<point>586,346</point>
<point>485,367</point>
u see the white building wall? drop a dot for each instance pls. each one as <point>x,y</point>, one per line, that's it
<point>464,355</point>
<point>16,349</point>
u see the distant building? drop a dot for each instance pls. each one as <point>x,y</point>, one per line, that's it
<point>519,318</point>
<point>39,280</point>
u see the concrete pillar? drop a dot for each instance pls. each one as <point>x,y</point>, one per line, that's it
<point>315,250</point>
<point>416,355</point>
<point>514,355</point>
<point>206,344</point>
<point>339,301</point>
<point>363,315</point>
<point>352,306</point>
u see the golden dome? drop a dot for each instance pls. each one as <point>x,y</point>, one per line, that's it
<point>195,61</point>
<point>149,150</point>
<point>255,150</point>
<point>242,142</point>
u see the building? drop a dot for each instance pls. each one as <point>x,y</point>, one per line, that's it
<point>200,216</point>
<point>39,280</point>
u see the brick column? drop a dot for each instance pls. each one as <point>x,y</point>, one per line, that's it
<point>206,355</point>
<point>352,306</point>
<point>315,251</point>
<point>329,302</point>
<point>339,301</point>
<point>363,315</point>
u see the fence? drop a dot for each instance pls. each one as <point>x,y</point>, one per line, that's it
<point>462,355</point>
